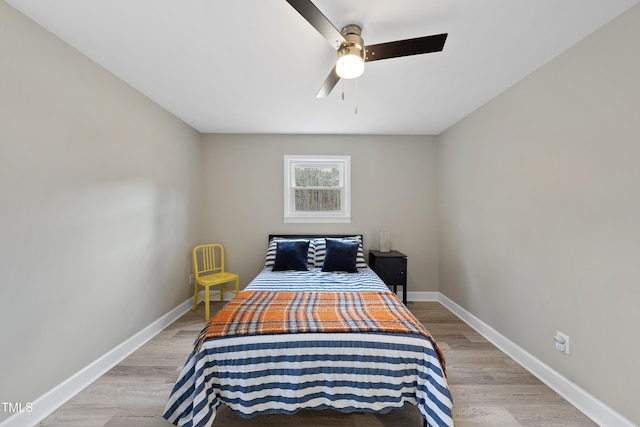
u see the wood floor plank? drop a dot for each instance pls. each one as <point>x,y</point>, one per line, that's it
<point>489,389</point>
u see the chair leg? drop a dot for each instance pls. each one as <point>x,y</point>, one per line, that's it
<point>237,286</point>
<point>206,303</point>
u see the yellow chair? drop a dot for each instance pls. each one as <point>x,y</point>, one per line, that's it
<point>208,269</point>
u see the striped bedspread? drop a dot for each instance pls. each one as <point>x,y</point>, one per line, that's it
<point>316,280</point>
<point>280,352</point>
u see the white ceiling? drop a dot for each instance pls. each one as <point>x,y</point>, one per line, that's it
<point>254,66</point>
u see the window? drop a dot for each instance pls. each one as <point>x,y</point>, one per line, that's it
<point>317,189</point>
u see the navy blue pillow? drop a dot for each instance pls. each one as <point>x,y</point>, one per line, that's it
<point>291,255</point>
<point>341,256</point>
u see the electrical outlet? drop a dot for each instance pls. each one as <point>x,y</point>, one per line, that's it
<point>562,342</point>
<point>191,279</point>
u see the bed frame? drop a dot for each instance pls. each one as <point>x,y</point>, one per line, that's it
<point>315,236</point>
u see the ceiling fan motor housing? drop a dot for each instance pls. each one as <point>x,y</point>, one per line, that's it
<point>353,48</point>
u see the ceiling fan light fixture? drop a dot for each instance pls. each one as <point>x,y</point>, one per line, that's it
<point>350,64</point>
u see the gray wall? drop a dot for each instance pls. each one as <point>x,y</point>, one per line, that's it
<point>392,182</point>
<point>539,207</point>
<point>98,210</point>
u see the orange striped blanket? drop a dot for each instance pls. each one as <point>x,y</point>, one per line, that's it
<point>260,313</point>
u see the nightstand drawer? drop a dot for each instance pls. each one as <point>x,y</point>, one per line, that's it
<point>392,271</point>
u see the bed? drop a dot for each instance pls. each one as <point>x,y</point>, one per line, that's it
<point>315,329</point>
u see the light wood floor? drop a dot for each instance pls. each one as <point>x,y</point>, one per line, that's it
<point>488,388</point>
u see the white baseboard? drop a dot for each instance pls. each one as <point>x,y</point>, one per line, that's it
<point>56,397</point>
<point>593,408</point>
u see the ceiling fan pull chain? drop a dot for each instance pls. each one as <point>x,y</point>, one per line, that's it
<point>356,96</point>
<point>342,86</point>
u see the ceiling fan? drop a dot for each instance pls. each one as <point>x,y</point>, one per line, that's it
<point>352,53</point>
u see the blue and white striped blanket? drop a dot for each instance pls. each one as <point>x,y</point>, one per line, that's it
<point>316,280</point>
<point>284,373</point>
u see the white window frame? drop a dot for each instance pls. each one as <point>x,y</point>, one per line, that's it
<point>291,215</point>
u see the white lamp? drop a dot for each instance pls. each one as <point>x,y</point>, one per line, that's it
<point>350,63</point>
<point>385,241</point>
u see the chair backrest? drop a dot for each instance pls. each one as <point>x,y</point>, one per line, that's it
<point>208,259</point>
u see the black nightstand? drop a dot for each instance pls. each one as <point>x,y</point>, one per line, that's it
<point>392,268</point>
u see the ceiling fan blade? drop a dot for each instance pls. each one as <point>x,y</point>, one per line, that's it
<point>406,47</point>
<point>329,83</point>
<point>311,13</point>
